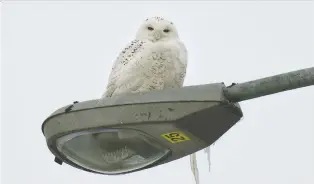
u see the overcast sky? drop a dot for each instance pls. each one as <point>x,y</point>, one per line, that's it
<point>56,53</point>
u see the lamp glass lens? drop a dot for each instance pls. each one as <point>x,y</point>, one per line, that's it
<point>111,151</point>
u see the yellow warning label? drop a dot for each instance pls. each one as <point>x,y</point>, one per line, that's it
<point>175,137</point>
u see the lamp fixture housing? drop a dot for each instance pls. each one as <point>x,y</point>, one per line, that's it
<point>128,133</point>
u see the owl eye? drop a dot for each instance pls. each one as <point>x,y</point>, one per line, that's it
<point>166,30</point>
<point>150,28</point>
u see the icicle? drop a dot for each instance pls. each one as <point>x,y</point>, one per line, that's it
<point>207,150</point>
<point>194,169</point>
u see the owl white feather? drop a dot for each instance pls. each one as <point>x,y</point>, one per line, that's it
<point>155,60</point>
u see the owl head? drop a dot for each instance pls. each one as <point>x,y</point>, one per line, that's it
<point>157,29</point>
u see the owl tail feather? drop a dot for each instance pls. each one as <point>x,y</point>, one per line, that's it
<point>194,169</point>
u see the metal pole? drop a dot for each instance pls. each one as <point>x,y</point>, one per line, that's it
<point>270,85</point>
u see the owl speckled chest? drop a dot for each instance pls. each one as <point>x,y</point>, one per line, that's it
<point>161,69</point>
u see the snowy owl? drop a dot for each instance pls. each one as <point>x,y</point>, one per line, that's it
<point>155,60</point>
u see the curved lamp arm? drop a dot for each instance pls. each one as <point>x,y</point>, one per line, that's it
<point>270,85</point>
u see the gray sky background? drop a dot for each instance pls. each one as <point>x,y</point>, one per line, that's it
<point>56,53</point>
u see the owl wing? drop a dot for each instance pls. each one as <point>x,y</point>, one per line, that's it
<point>181,65</point>
<point>127,58</point>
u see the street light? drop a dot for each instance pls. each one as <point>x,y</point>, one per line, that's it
<point>129,133</point>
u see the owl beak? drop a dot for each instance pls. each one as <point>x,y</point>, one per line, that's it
<point>157,35</point>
